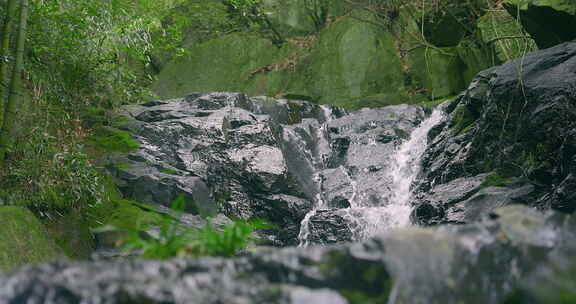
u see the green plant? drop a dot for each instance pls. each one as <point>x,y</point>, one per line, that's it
<point>230,241</point>
<point>175,240</point>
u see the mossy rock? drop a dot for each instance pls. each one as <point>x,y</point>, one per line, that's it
<point>373,283</point>
<point>72,233</point>
<point>24,240</point>
<point>119,217</point>
<point>126,214</point>
<point>476,56</point>
<point>353,59</point>
<point>293,17</point>
<point>111,139</point>
<point>439,70</point>
<point>504,33</point>
<point>463,119</point>
<point>549,22</point>
<point>228,63</point>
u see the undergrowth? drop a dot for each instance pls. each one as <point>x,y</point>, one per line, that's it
<point>175,240</point>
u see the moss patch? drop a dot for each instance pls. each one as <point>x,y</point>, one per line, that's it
<point>113,140</point>
<point>169,171</point>
<point>439,70</point>
<point>503,33</point>
<point>72,233</point>
<point>353,59</point>
<point>495,180</point>
<point>23,239</point>
<point>222,64</point>
<point>125,214</point>
<point>371,283</point>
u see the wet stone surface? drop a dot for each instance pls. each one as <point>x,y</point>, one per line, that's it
<point>260,157</point>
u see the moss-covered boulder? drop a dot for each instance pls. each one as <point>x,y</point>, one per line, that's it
<point>351,60</point>
<point>550,22</point>
<point>23,239</point>
<point>298,17</point>
<point>227,63</point>
<point>365,58</point>
<point>501,31</point>
<point>439,70</point>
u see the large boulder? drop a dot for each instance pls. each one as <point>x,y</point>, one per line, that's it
<point>510,138</point>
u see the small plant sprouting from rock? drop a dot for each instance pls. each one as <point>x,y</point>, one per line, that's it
<point>174,240</point>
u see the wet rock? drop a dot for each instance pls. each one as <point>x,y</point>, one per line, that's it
<point>261,157</point>
<point>518,130</point>
<point>329,227</point>
<point>482,262</point>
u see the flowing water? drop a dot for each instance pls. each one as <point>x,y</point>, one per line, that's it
<point>403,169</point>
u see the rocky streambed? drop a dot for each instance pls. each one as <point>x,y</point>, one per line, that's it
<point>493,171</point>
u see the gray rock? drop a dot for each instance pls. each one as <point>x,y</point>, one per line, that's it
<point>475,263</point>
<point>260,157</point>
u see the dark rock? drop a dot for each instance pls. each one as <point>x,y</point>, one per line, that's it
<point>329,227</point>
<point>516,121</point>
<point>548,22</point>
<point>426,214</point>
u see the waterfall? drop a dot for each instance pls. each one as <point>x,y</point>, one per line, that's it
<point>403,167</point>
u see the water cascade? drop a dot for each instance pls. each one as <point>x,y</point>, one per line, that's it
<point>395,208</point>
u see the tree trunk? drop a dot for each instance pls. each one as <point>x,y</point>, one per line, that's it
<point>15,92</point>
<point>5,53</point>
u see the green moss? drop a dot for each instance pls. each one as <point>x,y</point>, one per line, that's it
<point>439,70</point>
<point>351,60</point>
<point>495,26</point>
<point>371,283</point>
<point>72,233</point>
<point>495,180</point>
<point>567,6</point>
<point>433,103</point>
<point>23,239</point>
<point>227,63</point>
<point>170,171</point>
<point>122,166</point>
<point>359,297</point>
<point>462,119</point>
<point>476,56</point>
<point>113,140</point>
<point>125,214</point>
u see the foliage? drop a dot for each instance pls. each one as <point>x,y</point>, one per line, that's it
<point>233,238</point>
<point>317,11</point>
<point>51,176</point>
<point>175,240</point>
<point>250,15</point>
<point>84,57</point>
<point>113,140</point>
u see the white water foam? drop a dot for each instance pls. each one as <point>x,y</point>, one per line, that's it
<point>404,167</point>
